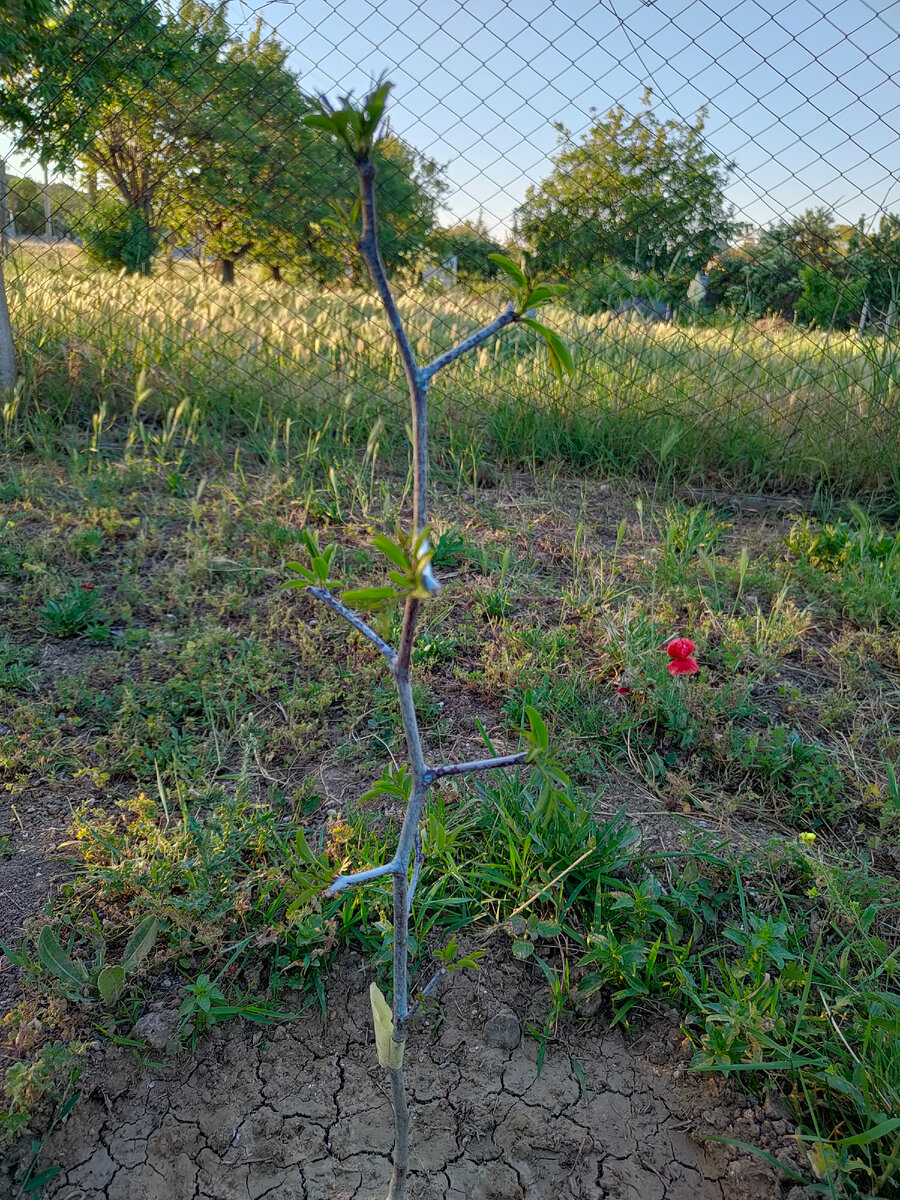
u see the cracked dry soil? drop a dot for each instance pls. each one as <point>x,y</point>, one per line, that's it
<point>300,1112</point>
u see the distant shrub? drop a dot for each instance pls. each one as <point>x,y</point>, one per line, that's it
<point>119,237</point>
<point>606,287</point>
<point>827,300</point>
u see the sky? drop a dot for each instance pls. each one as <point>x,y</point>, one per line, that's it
<point>804,97</point>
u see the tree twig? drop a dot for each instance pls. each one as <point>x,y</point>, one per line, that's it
<point>428,990</point>
<point>357,622</point>
<point>480,764</point>
<point>341,882</point>
<point>508,317</point>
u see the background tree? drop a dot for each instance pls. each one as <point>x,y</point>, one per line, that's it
<point>472,244</point>
<point>634,190</point>
<point>876,255</point>
<point>408,188</point>
<point>68,207</point>
<point>60,64</point>
<point>765,274</point>
<point>242,189</point>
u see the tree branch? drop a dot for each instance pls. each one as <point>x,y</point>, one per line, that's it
<point>508,317</point>
<point>341,882</point>
<point>358,624</point>
<point>429,989</point>
<point>481,764</point>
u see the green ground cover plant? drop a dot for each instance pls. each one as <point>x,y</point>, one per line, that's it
<point>729,845</point>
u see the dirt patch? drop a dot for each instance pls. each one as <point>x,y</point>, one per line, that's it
<point>300,1112</point>
<point>34,825</point>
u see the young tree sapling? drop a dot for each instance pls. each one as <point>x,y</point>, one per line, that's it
<point>412,583</point>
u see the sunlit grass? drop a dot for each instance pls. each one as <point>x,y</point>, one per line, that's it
<point>746,405</point>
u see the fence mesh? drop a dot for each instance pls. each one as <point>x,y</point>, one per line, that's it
<point>718,189</point>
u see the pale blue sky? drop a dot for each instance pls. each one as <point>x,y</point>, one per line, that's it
<point>805,97</point>
<point>808,104</point>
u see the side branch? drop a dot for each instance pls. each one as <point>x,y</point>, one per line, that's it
<point>428,990</point>
<point>342,882</point>
<point>481,764</point>
<point>508,317</point>
<point>359,625</point>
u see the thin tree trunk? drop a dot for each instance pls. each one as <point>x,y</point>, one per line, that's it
<point>48,215</point>
<point>4,213</point>
<point>7,346</point>
<point>226,270</point>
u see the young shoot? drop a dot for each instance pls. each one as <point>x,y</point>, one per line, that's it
<point>410,582</point>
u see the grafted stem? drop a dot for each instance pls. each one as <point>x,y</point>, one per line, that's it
<point>409,845</point>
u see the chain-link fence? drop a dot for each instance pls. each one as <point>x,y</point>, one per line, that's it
<point>719,190</point>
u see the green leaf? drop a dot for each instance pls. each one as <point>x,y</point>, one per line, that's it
<point>36,1182</point>
<point>57,961</point>
<point>393,551</point>
<point>16,958</point>
<point>539,736</point>
<point>560,355</point>
<point>110,984</point>
<point>509,268</point>
<point>140,943</point>
<point>320,121</point>
<point>369,597</point>
<point>885,1129</point>
<point>548,929</point>
<point>469,962</point>
<point>766,1157</point>
<point>522,949</point>
<point>375,104</point>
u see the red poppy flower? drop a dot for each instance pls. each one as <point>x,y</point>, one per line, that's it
<point>681,648</point>
<point>87,587</point>
<point>682,666</point>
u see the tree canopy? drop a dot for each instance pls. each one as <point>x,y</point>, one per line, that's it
<point>635,189</point>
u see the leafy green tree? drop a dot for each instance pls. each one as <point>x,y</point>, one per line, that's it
<point>142,143</point>
<point>62,66</point>
<point>408,188</point>
<point>117,236</point>
<point>876,258</point>
<point>829,299</point>
<point>764,275</point>
<point>242,186</point>
<point>636,190</point>
<point>256,183</point>
<point>472,245</point>
<point>68,207</point>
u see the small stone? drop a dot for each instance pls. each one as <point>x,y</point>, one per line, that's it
<point>775,1108</point>
<point>159,1030</point>
<point>503,1030</point>
<point>587,1004</point>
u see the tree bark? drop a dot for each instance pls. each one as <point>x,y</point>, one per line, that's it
<point>226,270</point>
<point>7,346</point>
<point>48,217</point>
<point>4,213</point>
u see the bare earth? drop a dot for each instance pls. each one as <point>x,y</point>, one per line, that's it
<point>299,1112</point>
